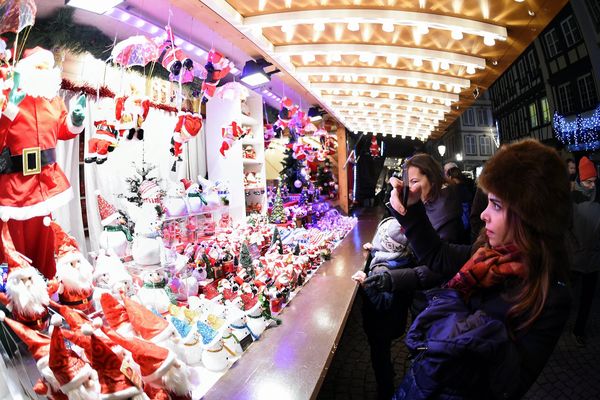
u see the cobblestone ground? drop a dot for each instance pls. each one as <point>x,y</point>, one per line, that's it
<point>571,373</point>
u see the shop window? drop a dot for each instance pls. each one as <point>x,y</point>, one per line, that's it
<point>485,146</point>
<point>551,38</point>
<point>533,115</point>
<point>470,145</point>
<point>587,91</point>
<point>468,118</point>
<point>565,96</point>
<point>482,117</point>
<point>545,111</point>
<point>571,31</point>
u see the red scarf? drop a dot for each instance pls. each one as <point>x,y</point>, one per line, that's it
<point>488,267</point>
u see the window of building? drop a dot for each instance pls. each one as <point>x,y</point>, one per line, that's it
<point>470,145</point>
<point>545,110</point>
<point>565,97</point>
<point>587,91</point>
<point>551,38</point>
<point>594,9</point>
<point>485,146</point>
<point>571,31</point>
<point>522,75</point>
<point>533,115</point>
<point>482,117</point>
<point>532,62</point>
<point>468,118</point>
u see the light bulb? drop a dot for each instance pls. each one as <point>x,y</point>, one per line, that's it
<point>456,34</point>
<point>353,26</point>
<point>319,27</point>
<point>418,62</point>
<point>470,69</point>
<point>444,65</point>
<point>435,86</point>
<point>489,40</point>
<point>387,27</point>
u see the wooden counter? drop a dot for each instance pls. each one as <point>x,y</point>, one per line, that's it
<point>291,360</point>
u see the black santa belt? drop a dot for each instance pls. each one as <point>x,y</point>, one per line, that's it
<point>36,323</point>
<point>30,162</point>
<point>85,300</point>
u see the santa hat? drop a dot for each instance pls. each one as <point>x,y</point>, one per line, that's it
<point>69,369</point>
<point>587,169</point>
<point>74,318</point>
<point>34,57</point>
<point>187,183</point>
<point>12,257</point>
<point>147,324</point>
<point>37,343</point>
<point>154,360</point>
<point>116,315</point>
<point>66,248</point>
<point>114,385</point>
<point>108,213</point>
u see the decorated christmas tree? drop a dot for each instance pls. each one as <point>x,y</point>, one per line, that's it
<point>246,261</point>
<point>325,181</point>
<point>135,182</point>
<point>277,213</point>
<point>291,173</point>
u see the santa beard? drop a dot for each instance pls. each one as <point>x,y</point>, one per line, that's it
<point>39,82</point>
<point>177,380</point>
<point>80,278</point>
<point>90,390</point>
<point>27,291</point>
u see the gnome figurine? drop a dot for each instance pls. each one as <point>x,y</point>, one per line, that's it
<point>115,235</point>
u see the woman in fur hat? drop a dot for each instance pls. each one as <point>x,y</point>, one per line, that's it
<point>490,330</point>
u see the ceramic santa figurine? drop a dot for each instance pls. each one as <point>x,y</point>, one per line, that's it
<point>38,345</point>
<point>76,377</point>
<point>115,235</point>
<point>32,185</point>
<point>161,370</point>
<point>26,291</point>
<point>74,273</point>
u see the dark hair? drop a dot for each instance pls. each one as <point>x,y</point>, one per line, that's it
<point>456,173</point>
<point>432,170</point>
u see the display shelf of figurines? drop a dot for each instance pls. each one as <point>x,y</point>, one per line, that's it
<point>242,162</point>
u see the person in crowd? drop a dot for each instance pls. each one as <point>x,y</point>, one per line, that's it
<point>586,244</point>
<point>448,166</point>
<point>572,170</point>
<point>490,330</point>
<point>384,321</point>
<point>465,191</point>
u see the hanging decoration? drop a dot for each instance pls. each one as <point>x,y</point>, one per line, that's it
<point>175,60</point>
<point>582,134</point>
<point>217,68</point>
<point>231,133</point>
<point>15,15</point>
<point>374,149</point>
<point>187,127</point>
<point>287,112</point>
<point>135,50</point>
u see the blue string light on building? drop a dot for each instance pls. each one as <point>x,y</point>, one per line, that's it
<point>582,134</point>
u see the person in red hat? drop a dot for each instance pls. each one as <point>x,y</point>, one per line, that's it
<point>32,185</point>
<point>38,345</point>
<point>73,272</point>
<point>76,377</point>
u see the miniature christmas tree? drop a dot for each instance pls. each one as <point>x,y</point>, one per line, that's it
<point>303,197</point>
<point>266,308</point>
<point>210,273</point>
<point>297,250</point>
<point>277,213</point>
<point>275,236</point>
<point>291,173</point>
<point>325,180</point>
<point>246,261</point>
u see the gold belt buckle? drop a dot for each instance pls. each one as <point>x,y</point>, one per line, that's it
<point>34,152</point>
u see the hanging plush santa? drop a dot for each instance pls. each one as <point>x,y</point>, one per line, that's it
<point>287,112</point>
<point>187,127</point>
<point>231,133</point>
<point>26,291</point>
<point>32,185</point>
<point>374,149</point>
<point>115,235</point>
<point>38,345</point>
<point>76,377</point>
<point>131,112</point>
<point>104,138</point>
<point>175,60</point>
<point>73,272</point>
<point>217,68</point>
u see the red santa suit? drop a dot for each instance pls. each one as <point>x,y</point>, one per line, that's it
<point>188,125</point>
<point>32,185</point>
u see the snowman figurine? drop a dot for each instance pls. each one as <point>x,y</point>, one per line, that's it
<point>115,236</point>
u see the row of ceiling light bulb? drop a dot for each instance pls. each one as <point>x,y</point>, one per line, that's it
<point>419,29</point>
<point>390,103</point>
<point>390,123</point>
<point>408,119</point>
<point>393,80</point>
<point>375,93</point>
<point>391,60</point>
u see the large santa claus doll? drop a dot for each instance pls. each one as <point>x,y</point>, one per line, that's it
<point>32,185</point>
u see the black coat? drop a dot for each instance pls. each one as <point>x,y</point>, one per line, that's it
<point>513,371</point>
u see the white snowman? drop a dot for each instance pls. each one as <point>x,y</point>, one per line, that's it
<point>115,235</point>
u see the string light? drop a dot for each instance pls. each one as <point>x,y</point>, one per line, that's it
<point>582,134</point>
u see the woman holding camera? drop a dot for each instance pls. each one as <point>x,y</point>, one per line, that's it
<point>490,330</point>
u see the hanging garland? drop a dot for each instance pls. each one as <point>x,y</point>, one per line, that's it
<point>582,134</point>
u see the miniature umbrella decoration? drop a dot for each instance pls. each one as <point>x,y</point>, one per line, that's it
<point>16,15</point>
<point>136,50</point>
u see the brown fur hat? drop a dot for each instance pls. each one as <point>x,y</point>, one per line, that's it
<point>532,179</point>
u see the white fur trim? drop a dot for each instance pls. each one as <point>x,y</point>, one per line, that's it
<point>77,379</point>
<point>165,334</point>
<point>11,111</point>
<point>73,128</point>
<point>42,208</point>
<point>111,218</point>
<point>162,370</point>
<point>42,362</point>
<point>121,394</point>
<point>126,330</point>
